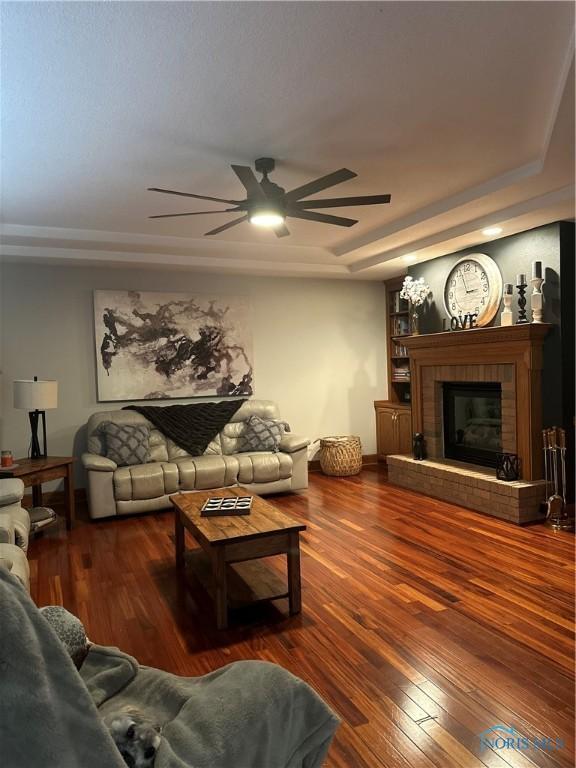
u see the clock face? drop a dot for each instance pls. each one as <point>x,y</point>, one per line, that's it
<point>474,286</point>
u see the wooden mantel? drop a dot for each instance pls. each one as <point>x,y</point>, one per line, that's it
<point>533,333</point>
<point>512,353</point>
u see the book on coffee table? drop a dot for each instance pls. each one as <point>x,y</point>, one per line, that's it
<point>227,505</point>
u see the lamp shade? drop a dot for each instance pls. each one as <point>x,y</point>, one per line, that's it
<point>31,395</point>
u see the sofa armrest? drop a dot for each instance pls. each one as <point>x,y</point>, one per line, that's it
<point>11,491</point>
<point>98,463</point>
<point>7,534</point>
<point>291,443</point>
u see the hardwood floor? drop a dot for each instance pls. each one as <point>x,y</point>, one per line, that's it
<point>423,624</point>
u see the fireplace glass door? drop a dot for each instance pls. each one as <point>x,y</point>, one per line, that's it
<point>472,422</point>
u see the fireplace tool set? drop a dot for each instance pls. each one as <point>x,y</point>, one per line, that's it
<point>554,441</point>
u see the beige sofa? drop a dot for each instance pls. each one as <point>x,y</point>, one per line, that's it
<point>114,490</point>
<point>14,530</point>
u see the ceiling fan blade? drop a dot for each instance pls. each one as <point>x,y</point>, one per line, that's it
<point>342,202</point>
<point>189,194</point>
<point>281,231</point>
<point>227,226</point>
<point>322,217</point>
<point>250,182</point>
<point>194,213</point>
<point>319,184</point>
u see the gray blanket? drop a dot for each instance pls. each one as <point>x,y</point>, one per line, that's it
<point>47,717</point>
<point>249,714</point>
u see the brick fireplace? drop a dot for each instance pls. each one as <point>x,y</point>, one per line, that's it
<point>510,357</point>
<point>433,379</point>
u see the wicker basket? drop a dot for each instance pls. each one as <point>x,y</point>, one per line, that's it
<point>341,456</point>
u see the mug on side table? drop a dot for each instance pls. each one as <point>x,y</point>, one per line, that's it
<point>6,459</point>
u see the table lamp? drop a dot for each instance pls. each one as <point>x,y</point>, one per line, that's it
<point>36,397</point>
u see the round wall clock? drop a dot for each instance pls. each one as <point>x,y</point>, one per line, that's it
<point>473,286</point>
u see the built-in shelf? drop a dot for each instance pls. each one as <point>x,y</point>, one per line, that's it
<point>398,323</point>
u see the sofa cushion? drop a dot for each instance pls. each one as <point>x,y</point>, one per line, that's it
<point>263,467</point>
<point>126,444</point>
<point>158,447</point>
<point>176,452</point>
<point>214,446</point>
<point>231,437</point>
<point>145,481</point>
<point>266,409</point>
<point>262,434</point>
<point>207,471</point>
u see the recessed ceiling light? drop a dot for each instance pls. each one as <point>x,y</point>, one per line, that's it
<point>410,258</point>
<point>265,218</point>
<point>491,231</point>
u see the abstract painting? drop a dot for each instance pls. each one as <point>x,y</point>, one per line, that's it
<point>155,346</point>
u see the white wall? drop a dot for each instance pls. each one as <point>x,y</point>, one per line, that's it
<point>319,345</point>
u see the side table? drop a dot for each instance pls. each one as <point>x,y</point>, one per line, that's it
<point>34,472</point>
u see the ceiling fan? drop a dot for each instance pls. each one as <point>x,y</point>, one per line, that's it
<point>268,205</point>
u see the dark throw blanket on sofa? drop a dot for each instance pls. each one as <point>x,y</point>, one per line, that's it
<point>192,427</point>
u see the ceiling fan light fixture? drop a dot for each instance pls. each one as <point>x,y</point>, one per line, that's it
<point>267,218</point>
<point>268,205</point>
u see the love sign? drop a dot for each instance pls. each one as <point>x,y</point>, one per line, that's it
<point>461,322</point>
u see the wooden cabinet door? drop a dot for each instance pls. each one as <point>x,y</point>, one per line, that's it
<point>404,431</point>
<point>386,436</point>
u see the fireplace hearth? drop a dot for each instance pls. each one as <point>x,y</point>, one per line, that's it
<point>493,376</point>
<point>472,421</point>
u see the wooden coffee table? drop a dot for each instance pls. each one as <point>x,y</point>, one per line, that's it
<point>231,547</point>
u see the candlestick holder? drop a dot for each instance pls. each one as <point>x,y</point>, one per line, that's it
<point>506,314</point>
<point>522,303</point>
<point>536,299</point>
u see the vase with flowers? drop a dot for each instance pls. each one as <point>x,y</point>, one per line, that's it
<point>416,293</point>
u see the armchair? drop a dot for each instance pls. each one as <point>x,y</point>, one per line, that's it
<point>14,530</point>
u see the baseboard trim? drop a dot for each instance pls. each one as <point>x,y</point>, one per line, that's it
<point>367,461</point>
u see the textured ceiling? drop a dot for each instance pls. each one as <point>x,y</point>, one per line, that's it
<point>463,112</point>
